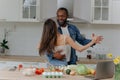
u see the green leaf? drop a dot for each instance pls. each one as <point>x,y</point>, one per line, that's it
<point>3,44</point>
<point>5,41</point>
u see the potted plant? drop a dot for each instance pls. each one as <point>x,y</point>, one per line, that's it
<point>3,46</point>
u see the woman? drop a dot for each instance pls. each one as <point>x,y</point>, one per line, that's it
<point>52,42</point>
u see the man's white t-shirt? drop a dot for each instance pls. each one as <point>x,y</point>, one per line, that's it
<point>68,47</point>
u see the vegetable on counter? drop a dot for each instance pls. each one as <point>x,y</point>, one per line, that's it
<point>39,71</point>
<point>81,69</point>
<point>68,71</point>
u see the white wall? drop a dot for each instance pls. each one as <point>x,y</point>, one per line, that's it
<point>24,37</point>
<point>110,32</point>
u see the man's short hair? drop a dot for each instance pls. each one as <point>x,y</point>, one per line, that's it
<point>63,8</point>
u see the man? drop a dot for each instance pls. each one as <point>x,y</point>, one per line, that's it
<point>69,29</point>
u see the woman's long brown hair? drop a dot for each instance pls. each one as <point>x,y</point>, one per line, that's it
<point>49,37</point>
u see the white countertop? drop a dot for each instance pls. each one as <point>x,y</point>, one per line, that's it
<point>5,74</point>
<point>17,75</point>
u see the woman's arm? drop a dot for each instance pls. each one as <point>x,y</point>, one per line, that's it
<point>78,47</point>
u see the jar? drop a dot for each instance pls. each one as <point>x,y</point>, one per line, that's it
<point>89,54</point>
<point>101,56</point>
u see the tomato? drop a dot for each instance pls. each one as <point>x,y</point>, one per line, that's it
<point>38,71</point>
<point>20,66</point>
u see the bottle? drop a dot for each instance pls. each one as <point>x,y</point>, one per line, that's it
<point>89,54</point>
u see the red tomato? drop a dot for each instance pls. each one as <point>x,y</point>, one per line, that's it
<point>38,71</point>
<point>20,66</point>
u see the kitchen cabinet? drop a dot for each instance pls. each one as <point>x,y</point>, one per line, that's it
<point>37,10</point>
<point>115,12</point>
<point>93,11</point>
<point>29,10</point>
<point>9,10</point>
<point>48,9</point>
<point>19,10</point>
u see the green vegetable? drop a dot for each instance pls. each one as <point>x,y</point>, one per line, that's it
<point>68,71</point>
<point>82,69</point>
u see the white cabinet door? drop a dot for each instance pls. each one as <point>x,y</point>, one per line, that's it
<point>29,11</point>
<point>101,11</point>
<point>115,11</point>
<point>37,10</point>
<point>48,9</point>
<point>9,10</point>
<point>94,11</point>
<point>20,10</point>
<point>82,9</point>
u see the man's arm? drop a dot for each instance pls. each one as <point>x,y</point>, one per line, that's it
<point>80,38</point>
<point>83,41</point>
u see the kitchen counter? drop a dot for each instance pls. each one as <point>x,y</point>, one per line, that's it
<point>91,61</point>
<point>23,58</point>
<point>5,74</point>
<point>17,75</point>
<point>42,59</point>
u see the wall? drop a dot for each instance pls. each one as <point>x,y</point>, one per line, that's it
<point>24,37</point>
<point>110,32</point>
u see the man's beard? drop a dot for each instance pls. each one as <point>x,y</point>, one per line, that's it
<point>62,23</point>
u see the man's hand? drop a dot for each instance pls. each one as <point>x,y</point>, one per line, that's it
<point>57,55</point>
<point>98,38</point>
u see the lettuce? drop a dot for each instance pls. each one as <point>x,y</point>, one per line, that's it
<point>82,69</point>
